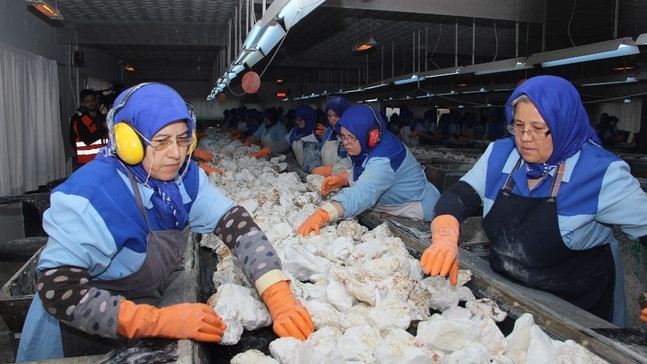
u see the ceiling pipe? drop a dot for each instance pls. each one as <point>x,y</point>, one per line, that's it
<point>229,58</point>
<point>516,40</point>
<point>413,57</point>
<point>615,19</point>
<point>473,39</point>
<point>426,47</point>
<point>456,45</point>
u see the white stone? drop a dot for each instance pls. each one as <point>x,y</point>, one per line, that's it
<point>253,356</point>
<point>240,309</point>
<point>338,297</point>
<point>447,335</point>
<point>400,347</point>
<point>288,350</point>
<point>358,343</point>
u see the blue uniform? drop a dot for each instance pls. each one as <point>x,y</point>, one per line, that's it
<point>592,196</point>
<point>94,223</point>
<point>379,184</point>
<point>271,135</point>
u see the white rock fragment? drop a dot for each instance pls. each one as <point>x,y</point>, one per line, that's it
<point>358,343</point>
<point>486,308</point>
<point>447,335</point>
<point>288,350</point>
<point>253,356</point>
<point>400,347</point>
<point>239,309</point>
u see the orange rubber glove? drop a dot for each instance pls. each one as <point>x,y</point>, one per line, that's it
<point>442,256</point>
<point>262,153</point>
<point>196,321</point>
<point>325,171</point>
<point>235,137</point>
<point>202,154</point>
<point>643,315</point>
<point>208,169</point>
<point>247,143</point>
<point>315,222</point>
<point>332,182</point>
<point>320,130</point>
<point>415,134</point>
<point>290,317</point>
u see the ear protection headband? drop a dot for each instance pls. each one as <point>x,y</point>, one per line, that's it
<point>374,135</point>
<point>126,142</point>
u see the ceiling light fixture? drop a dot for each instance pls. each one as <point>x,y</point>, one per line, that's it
<point>613,80</point>
<point>506,65</point>
<point>364,46</point>
<point>47,9</point>
<point>590,52</point>
<point>129,67</point>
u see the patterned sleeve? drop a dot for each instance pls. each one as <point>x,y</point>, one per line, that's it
<point>66,294</point>
<point>248,242</point>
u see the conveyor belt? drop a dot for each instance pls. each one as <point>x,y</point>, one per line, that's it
<point>559,318</point>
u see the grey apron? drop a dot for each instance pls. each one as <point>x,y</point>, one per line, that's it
<point>164,250</point>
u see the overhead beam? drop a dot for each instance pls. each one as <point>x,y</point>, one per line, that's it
<point>146,33</point>
<point>513,10</point>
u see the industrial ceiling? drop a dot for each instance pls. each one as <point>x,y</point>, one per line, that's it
<point>194,40</point>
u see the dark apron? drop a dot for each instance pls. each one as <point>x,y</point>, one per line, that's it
<point>164,250</point>
<point>526,245</point>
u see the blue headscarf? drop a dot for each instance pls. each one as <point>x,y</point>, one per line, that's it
<point>149,109</point>
<point>560,106</point>
<point>338,104</point>
<point>307,114</point>
<point>358,120</point>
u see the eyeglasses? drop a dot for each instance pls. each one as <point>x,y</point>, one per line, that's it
<point>535,133</point>
<point>347,138</point>
<point>160,145</point>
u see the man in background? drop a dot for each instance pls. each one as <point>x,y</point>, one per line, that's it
<point>88,132</point>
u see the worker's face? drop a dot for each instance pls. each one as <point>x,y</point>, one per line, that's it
<point>333,118</point>
<point>350,142</point>
<point>300,123</point>
<point>532,150</point>
<point>165,164</point>
<point>89,102</point>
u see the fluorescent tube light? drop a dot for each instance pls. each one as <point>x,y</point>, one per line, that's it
<point>611,81</point>
<point>590,52</point>
<point>506,65</point>
<point>442,72</point>
<point>271,37</point>
<point>413,78</point>
<point>289,11</point>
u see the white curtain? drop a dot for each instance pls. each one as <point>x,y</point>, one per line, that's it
<point>31,143</point>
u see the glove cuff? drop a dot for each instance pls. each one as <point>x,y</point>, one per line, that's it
<point>331,210</point>
<point>269,279</point>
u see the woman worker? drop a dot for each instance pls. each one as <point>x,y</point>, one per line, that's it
<point>300,138</point>
<point>118,227</point>
<point>334,158</point>
<point>270,132</point>
<point>550,196</point>
<point>385,176</point>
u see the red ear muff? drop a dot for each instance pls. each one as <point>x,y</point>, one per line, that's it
<point>374,135</point>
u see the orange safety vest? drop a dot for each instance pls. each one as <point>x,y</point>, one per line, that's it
<point>86,153</point>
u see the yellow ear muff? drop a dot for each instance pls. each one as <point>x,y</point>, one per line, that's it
<point>194,142</point>
<point>129,145</point>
